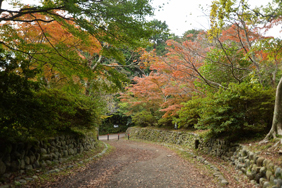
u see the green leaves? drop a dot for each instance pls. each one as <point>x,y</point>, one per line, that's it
<point>34,114</point>
<point>144,118</point>
<point>26,111</point>
<point>239,110</point>
<point>56,34</point>
<point>190,112</point>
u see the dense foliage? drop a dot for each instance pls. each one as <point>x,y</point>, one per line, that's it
<point>222,80</point>
<point>61,66</point>
<point>27,111</point>
<point>115,123</point>
<point>242,109</point>
<point>61,60</point>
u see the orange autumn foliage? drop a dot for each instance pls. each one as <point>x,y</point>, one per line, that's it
<point>52,45</point>
<point>171,80</point>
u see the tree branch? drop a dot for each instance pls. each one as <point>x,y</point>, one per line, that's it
<point>228,58</point>
<point>52,44</point>
<point>24,12</point>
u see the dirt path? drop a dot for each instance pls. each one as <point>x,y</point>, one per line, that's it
<point>137,164</point>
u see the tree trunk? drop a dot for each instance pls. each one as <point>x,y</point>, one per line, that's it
<point>276,128</point>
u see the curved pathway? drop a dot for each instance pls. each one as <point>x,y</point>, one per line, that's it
<point>136,164</point>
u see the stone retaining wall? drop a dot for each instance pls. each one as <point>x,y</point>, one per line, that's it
<point>171,137</point>
<point>259,170</point>
<point>21,157</point>
<point>219,148</point>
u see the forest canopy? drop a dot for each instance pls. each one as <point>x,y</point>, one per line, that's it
<point>68,64</point>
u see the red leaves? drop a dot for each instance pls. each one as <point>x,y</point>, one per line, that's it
<point>171,81</point>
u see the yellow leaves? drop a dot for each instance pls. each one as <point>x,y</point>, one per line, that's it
<point>145,64</point>
<point>104,117</point>
<point>214,9</point>
<point>219,10</point>
<point>216,17</point>
<point>228,5</point>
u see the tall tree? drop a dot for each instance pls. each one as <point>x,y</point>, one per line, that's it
<point>159,39</point>
<point>225,11</point>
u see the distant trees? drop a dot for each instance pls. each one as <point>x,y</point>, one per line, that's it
<point>159,39</point>
<point>169,83</point>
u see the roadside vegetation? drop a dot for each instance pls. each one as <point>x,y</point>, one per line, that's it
<point>63,68</point>
<point>223,80</point>
<point>61,64</point>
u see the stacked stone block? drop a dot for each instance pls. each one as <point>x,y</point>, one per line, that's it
<point>21,157</point>
<point>258,169</point>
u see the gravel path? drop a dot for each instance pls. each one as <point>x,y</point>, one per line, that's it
<point>136,164</point>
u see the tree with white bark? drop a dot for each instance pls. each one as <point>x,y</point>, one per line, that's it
<point>239,12</point>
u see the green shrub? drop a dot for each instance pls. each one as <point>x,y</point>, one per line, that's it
<point>144,118</point>
<point>68,110</point>
<point>16,97</point>
<point>241,109</point>
<point>28,111</point>
<point>165,122</point>
<point>189,114</point>
<point>46,112</point>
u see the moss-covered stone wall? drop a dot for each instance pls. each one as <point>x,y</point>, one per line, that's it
<point>217,147</point>
<point>25,156</point>
<point>156,135</point>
